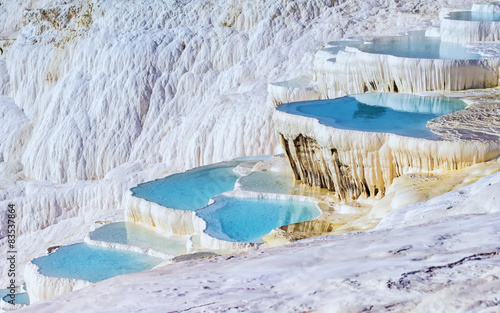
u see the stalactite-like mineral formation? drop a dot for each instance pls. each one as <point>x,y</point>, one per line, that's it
<point>363,164</point>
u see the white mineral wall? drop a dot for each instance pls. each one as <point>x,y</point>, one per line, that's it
<point>357,72</point>
<point>4,81</point>
<point>355,163</point>
<point>40,204</point>
<point>42,287</point>
<point>469,31</point>
<point>169,220</point>
<point>47,205</point>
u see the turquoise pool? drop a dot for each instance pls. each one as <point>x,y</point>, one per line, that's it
<point>474,16</point>
<point>92,263</point>
<point>248,220</point>
<point>401,114</point>
<point>139,236</point>
<point>190,190</point>
<point>418,46</point>
<point>21,298</point>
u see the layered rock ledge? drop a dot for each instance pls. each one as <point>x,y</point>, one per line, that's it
<point>467,31</point>
<point>363,164</point>
<point>355,71</point>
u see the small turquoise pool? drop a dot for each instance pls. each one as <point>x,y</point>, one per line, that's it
<point>190,190</point>
<point>92,263</point>
<point>20,298</point>
<point>474,16</point>
<point>418,46</point>
<point>139,236</point>
<point>248,220</point>
<point>401,114</point>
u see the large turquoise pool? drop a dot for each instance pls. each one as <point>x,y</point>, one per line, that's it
<point>401,114</point>
<point>92,263</point>
<point>418,46</point>
<point>248,220</point>
<point>140,236</point>
<point>474,16</point>
<point>190,190</point>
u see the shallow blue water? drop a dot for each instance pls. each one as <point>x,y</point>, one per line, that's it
<point>190,190</point>
<point>247,220</point>
<point>3,292</point>
<point>474,16</point>
<point>139,236</point>
<point>400,114</point>
<point>21,298</point>
<point>418,46</point>
<point>92,263</point>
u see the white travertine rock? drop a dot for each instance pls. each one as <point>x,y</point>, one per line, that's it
<point>173,221</point>
<point>478,122</point>
<point>433,31</point>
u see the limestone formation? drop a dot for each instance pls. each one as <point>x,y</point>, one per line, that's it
<point>362,164</point>
<point>356,71</point>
